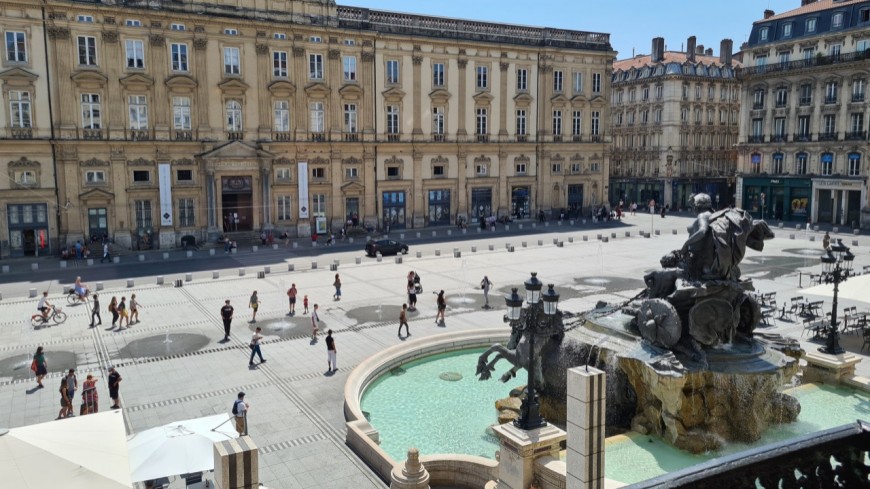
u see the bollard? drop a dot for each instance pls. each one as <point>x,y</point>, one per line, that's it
<point>290,267</point>
<point>605,239</point>
<point>314,265</point>
<point>241,272</point>
<point>418,234</point>
<point>474,249</point>
<point>189,254</point>
<point>555,240</point>
<point>558,223</point>
<point>659,232</point>
<point>99,286</point>
<point>267,269</point>
<point>5,268</point>
<point>63,264</point>
<point>791,236</point>
<point>628,234</point>
<point>525,244</point>
<point>598,237</point>
<point>856,232</point>
<point>437,252</point>
<point>570,239</point>
<point>797,227</point>
<point>379,258</point>
<point>646,235</point>
<point>816,228</point>
<point>520,226</point>
<point>254,249</point>
<point>295,245</point>
<point>547,224</point>
<point>165,256</point>
<point>210,252</point>
<point>674,232</point>
<point>91,262</point>
<point>179,283</point>
<point>457,254</point>
<point>507,227</point>
<point>333,267</point>
<point>130,283</point>
<point>314,244</point>
<point>464,231</point>
<point>613,235</point>
<point>835,230</point>
<point>261,274</point>
<point>491,247</point>
<point>215,274</point>
<point>188,277</point>
<point>398,259</point>
<point>585,238</point>
<point>534,225</point>
<point>571,222</point>
<point>434,234</point>
<point>31,293</point>
<point>511,249</point>
<point>854,242</point>
<point>560,244</point>
<point>402,236</point>
<point>781,225</point>
<point>350,240</point>
<point>160,280</point>
<point>449,232</point>
<point>34,266</point>
<point>584,222</point>
<point>358,260</point>
<point>812,238</point>
<point>540,242</point>
<point>478,230</point>
<point>419,254</point>
<point>141,257</point>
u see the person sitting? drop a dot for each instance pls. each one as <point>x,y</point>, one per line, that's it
<point>80,289</point>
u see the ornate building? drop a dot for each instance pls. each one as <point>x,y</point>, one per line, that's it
<point>803,137</point>
<point>183,118</point>
<point>674,117</point>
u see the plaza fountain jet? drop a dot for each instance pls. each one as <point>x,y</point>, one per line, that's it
<point>683,358</point>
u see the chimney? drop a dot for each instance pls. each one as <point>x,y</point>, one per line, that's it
<point>725,48</point>
<point>690,49</point>
<point>770,13</point>
<point>709,52</point>
<point>657,54</point>
<point>699,49</point>
<point>807,2</point>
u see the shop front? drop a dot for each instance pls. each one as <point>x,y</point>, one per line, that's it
<point>838,201</point>
<point>394,210</point>
<point>28,229</point>
<point>777,199</point>
<point>481,203</point>
<point>682,190</point>
<point>439,207</point>
<point>636,190</point>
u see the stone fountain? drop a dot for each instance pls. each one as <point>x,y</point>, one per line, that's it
<point>683,358</point>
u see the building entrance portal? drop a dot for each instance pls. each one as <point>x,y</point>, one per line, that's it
<point>237,204</point>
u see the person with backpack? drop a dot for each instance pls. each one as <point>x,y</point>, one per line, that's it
<point>240,414</point>
<point>39,366</point>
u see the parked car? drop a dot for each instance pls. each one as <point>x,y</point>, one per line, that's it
<point>385,247</point>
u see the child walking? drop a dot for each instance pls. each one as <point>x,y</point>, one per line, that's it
<point>315,320</point>
<point>337,285</point>
<point>305,304</point>
<point>403,320</point>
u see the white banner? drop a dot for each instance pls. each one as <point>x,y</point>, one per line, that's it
<point>303,189</point>
<point>164,179</point>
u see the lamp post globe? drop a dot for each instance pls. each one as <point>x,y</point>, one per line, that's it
<point>533,289</point>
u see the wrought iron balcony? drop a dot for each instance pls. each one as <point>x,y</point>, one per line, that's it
<point>557,138</point>
<point>856,135</point>
<point>22,133</point>
<point>183,136</point>
<point>394,138</point>
<point>830,99</point>
<point>351,136</point>
<point>779,138</point>
<point>858,97</point>
<point>757,105</point>
<point>828,136</point>
<point>522,138</point>
<point>756,138</point>
<point>803,137</point>
<point>439,138</point>
<point>282,136</point>
<point>317,137</point>
<point>92,134</point>
<point>804,101</point>
<point>235,135</point>
<point>139,135</point>
<point>804,63</point>
<point>482,138</point>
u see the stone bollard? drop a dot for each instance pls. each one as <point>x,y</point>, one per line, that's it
<point>560,244</point>
<point>241,272</point>
<point>295,245</point>
<point>215,274</point>
<point>90,262</point>
<point>555,240</point>
<point>585,238</point>
<point>31,293</point>
<point>211,252</point>
<point>267,269</point>
<point>856,232</point>
<point>434,234</point>
<point>449,232</point>
<point>160,280</point>
<point>5,268</point>
<point>411,475</point>
<point>291,267</point>
<point>797,227</point>
<point>628,234</point>
<point>599,237</point>
<point>534,225</point>
<point>333,267</point>
<point>605,239</point>
<point>571,222</point>
<point>781,225</point>
<point>166,256</point>
<point>491,247</point>
<point>380,257</point>
<point>402,236</point>
<point>350,240</point>
<point>130,283</point>
<point>540,242</point>
<point>659,232</point>
<point>584,222</point>
<point>418,234</point>
<point>570,239</point>
<point>816,228</point>
<point>398,259</point>
<point>507,227</point>
<point>236,464</point>
<point>314,244</point>
<point>478,230</point>
<point>34,266</point>
<point>791,236</point>
<point>116,259</point>
<point>419,254</point>
<point>585,462</point>
<point>835,230</point>
<point>674,232</point>
<point>613,235</point>
<point>474,249</point>
<point>188,277</point>
<point>141,257</point>
<point>261,274</point>
<point>854,242</point>
<point>437,252</point>
<point>812,238</point>
<point>510,249</point>
<point>647,235</point>
<point>547,224</point>
<point>274,246</point>
<point>314,265</point>
<point>189,254</point>
<point>63,264</point>
<point>99,286</point>
<point>520,226</point>
<point>457,253</point>
<point>358,261</point>
<point>525,244</point>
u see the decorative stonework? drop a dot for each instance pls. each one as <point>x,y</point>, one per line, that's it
<point>262,49</point>
<point>24,162</point>
<point>317,160</point>
<point>58,33</point>
<point>417,60</point>
<point>283,161</point>
<point>352,160</point>
<point>462,63</point>
<point>522,159</point>
<point>298,52</point>
<point>183,162</point>
<point>503,66</point>
<point>367,56</point>
<point>94,162</point>
<point>110,36</point>
<point>200,44</point>
<point>482,159</point>
<point>140,162</point>
<point>393,160</point>
<point>157,40</point>
<point>333,54</point>
<point>440,160</point>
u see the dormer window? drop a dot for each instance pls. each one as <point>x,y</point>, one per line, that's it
<point>837,20</point>
<point>88,19</point>
<point>177,27</point>
<point>811,25</point>
<point>231,32</point>
<point>786,30</point>
<point>133,23</point>
<point>315,39</point>
<point>763,34</point>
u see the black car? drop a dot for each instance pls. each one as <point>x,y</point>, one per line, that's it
<point>385,247</point>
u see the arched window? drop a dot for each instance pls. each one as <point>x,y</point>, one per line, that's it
<point>234,116</point>
<point>827,164</point>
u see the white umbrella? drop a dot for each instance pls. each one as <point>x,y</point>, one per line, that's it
<point>855,289</point>
<point>84,452</point>
<point>180,447</point>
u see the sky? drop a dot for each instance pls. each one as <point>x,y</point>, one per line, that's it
<point>631,23</point>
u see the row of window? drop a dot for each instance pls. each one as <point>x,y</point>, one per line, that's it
<point>825,167</point>
<point>725,93</point>
<point>810,25</point>
<point>804,128</point>
<point>808,53</point>
<point>805,93</point>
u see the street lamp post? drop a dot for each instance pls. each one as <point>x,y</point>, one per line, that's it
<point>833,272</point>
<point>528,320</point>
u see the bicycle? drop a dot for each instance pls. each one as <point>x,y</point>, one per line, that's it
<point>55,315</point>
<point>72,298</point>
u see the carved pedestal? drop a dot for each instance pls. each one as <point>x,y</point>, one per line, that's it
<point>236,464</point>
<point>519,449</point>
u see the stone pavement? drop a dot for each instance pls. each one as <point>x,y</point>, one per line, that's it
<point>174,366</point>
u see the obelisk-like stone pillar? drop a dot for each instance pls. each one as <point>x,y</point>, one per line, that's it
<point>411,474</point>
<point>587,392</point>
<point>236,464</point>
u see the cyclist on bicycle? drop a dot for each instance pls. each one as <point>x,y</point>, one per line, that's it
<point>44,306</point>
<point>80,289</point>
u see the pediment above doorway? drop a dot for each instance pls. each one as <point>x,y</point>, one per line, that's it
<point>237,150</point>
<point>96,194</point>
<point>352,188</point>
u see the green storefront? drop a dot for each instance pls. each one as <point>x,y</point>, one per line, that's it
<point>777,199</point>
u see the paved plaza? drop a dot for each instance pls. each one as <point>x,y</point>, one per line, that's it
<point>175,367</point>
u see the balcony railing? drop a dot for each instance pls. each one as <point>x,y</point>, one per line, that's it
<point>557,138</point>
<point>831,99</point>
<point>522,138</point>
<point>780,104</point>
<point>828,136</point>
<point>394,138</point>
<point>805,101</point>
<point>856,135</point>
<point>139,135</point>
<point>351,137</point>
<point>857,97</point>
<point>438,138</point>
<point>235,135</point>
<point>757,138</point>
<point>282,136</point>
<point>92,134</point>
<point>757,105</point>
<point>482,138</point>
<point>317,137</point>
<point>803,137</point>
<point>22,133</point>
<point>802,64</point>
<point>779,138</point>
<point>183,136</point>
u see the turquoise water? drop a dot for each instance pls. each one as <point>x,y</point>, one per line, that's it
<point>418,409</point>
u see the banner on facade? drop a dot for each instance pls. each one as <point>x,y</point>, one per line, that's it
<point>303,189</point>
<point>164,180</point>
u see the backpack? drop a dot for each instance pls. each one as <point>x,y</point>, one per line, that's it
<point>236,407</point>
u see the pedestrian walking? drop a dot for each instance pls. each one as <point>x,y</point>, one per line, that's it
<point>315,320</point>
<point>485,284</point>
<point>254,303</point>
<point>337,285</point>
<point>826,241</point>
<point>95,312</point>
<point>412,296</point>
<point>227,316</point>
<point>441,302</point>
<point>291,296</point>
<point>403,320</point>
<point>106,256</point>
<point>114,386</point>
<point>65,401</point>
<point>122,312</point>
<point>305,304</point>
<point>330,352</point>
<point>39,366</point>
<point>240,414</point>
<point>113,308</point>
<point>255,347</point>
<point>134,309</point>
<point>90,396</point>
<point>69,384</point>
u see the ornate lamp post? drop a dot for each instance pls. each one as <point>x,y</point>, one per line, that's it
<point>833,272</point>
<point>528,320</point>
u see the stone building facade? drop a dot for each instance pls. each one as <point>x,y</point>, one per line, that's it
<point>675,118</point>
<point>287,115</point>
<point>804,118</point>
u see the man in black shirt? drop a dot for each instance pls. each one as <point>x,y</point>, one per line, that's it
<point>330,350</point>
<point>227,315</point>
<point>95,312</point>
<point>114,385</point>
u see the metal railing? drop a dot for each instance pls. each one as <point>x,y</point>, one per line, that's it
<point>804,64</point>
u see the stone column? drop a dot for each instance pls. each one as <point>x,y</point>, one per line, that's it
<point>264,131</point>
<point>587,393</point>
<point>334,75</point>
<point>213,229</point>
<point>203,128</point>
<point>160,101</point>
<point>417,131</point>
<point>65,98</point>
<point>367,111</point>
<point>463,191</point>
<point>115,122</point>
<point>411,474</point>
<point>236,464</point>
<point>419,197</point>
<point>519,450</point>
<point>503,193</point>
<point>502,102</point>
<point>460,99</point>
<point>301,107</point>
<point>267,198</point>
